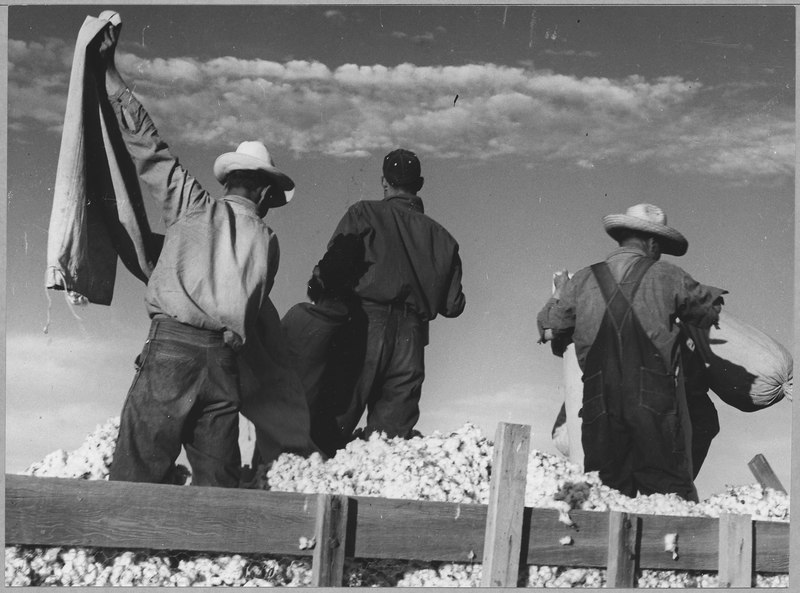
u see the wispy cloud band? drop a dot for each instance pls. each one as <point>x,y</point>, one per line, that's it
<point>480,111</point>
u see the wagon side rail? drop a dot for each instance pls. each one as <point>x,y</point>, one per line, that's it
<point>85,513</point>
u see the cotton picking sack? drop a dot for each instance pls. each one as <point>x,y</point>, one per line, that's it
<point>746,368</point>
<point>98,214</point>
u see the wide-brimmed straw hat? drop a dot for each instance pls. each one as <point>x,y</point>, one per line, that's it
<point>252,155</point>
<point>650,219</point>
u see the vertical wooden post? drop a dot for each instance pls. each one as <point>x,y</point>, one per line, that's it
<point>330,532</point>
<point>735,550</point>
<point>503,536</point>
<point>762,470</point>
<point>623,531</point>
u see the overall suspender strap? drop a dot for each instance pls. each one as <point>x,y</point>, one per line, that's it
<point>619,296</point>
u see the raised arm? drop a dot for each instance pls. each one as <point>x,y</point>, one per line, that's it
<point>159,171</point>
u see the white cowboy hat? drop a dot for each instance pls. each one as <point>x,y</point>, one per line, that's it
<point>647,218</point>
<point>252,155</point>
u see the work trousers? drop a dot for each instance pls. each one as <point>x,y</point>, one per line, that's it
<point>384,347</point>
<point>185,393</point>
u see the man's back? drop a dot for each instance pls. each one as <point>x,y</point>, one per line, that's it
<point>666,292</point>
<point>409,258</point>
<point>403,269</point>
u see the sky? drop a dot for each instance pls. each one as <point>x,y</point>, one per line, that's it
<point>531,124</point>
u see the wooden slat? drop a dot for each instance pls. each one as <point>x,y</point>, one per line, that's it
<point>417,530</point>
<point>762,470</point>
<point>697,542</point>
<point>622,534</point>
<point>771,542</point>
<point>735,550</point>
<point>62,511</point>
<point>331,536</point>
<point>698,538</point>
<point>587,544</point>
<point>503,540</point>
<point>53,511</point>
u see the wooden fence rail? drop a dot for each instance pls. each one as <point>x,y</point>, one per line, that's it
<point>69,512</point>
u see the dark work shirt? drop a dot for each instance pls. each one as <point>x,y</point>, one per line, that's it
<point>408,258</point>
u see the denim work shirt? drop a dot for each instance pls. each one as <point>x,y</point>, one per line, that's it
<point>219,259</point>
<point>409,258</point>
<point>665,294</point>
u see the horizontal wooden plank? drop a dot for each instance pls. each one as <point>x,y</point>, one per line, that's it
<point>587,539</point>
<point>417,530</point>
<point>697,541</point>
<point>55,511</point>
<point>63,511</point>
<point>771,543</point>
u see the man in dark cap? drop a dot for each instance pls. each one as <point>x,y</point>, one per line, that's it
<point>621,315</point>
<point>409,271</point>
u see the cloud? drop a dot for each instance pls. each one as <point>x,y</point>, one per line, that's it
<point>571,53</point>
<point>356,109</point>
<point>334,15</point>
<point>420,39</point>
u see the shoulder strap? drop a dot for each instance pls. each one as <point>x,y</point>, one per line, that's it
<point>630,283</point>
<point>619,296</point>
<point>605,279</point>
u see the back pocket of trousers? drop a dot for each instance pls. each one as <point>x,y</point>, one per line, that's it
<point>657,392</point>
<point>594,401</point>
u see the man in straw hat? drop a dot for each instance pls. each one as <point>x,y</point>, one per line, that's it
<point>206,297</point>
<point>396,269</point>
<point>620,313</point>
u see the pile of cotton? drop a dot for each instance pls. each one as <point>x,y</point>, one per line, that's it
<point>90,461</point>
<point>453,467</point>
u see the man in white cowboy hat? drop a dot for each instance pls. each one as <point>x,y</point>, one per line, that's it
<point>207,298</point>
<point>620,313</point>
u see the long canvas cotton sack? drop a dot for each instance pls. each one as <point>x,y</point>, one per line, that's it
<point>747,369</point>
<point>98,213</point>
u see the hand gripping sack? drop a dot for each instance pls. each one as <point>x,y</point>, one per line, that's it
<point>746,368</point>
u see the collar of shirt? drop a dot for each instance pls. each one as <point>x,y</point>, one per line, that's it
<point>626,251</point>
<point>241,201</point>
<point>410,202</point>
